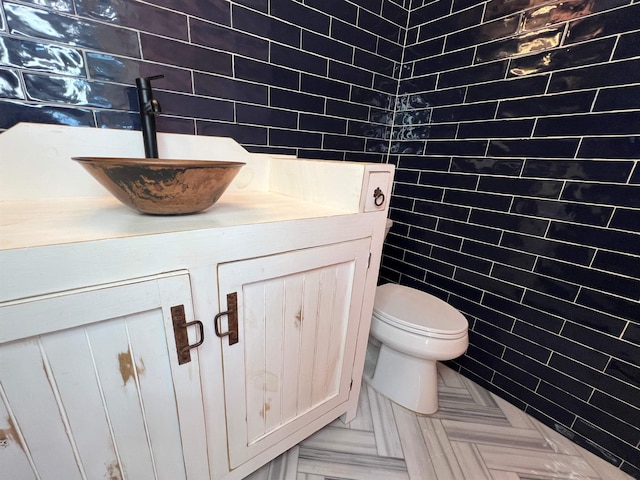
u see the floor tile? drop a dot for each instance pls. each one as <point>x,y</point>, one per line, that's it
<point>474,435</point>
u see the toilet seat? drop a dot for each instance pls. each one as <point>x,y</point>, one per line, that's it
<point>418,312</point>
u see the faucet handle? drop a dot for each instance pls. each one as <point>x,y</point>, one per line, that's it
<point>144,83</point>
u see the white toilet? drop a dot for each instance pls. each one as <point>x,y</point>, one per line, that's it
<point>410,331</point>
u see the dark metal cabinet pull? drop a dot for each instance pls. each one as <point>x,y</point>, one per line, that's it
<point>180,325</point>
<point>232,318</point>
<point>378,197</point>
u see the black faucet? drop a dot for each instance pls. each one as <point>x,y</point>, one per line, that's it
<point>149,108</point>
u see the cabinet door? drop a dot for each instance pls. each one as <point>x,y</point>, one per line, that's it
<point>90,386</point>
<point>298,315</point>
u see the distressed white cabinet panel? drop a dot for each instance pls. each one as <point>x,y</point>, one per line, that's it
<point>298,314</point>
<point>91,388</point>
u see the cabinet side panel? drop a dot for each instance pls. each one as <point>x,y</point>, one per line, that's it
<point>31,396</point>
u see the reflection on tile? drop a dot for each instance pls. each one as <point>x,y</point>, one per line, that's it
<point>124,70</point>
<point>60,5</point>
<point>79,92</point>
<point>500,8</point>
<point>520,45</point>
<point>42,57</point>
<point>136,15</point>
<point>572,56</point>
<point>604,24</point>
<point>113,119</point>
<point>15,112</point>
<point>218,11</point>
<point>43,24</point>
<point>10,85</point>
<point>558,11</point>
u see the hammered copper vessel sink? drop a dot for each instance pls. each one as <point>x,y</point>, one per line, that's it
<point>162,186</point>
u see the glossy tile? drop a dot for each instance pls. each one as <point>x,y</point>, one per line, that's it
<point>523,44</point>
<point>616,262</point>
<point>604,24</point>
<point>470,75</point>
<point>617,241</point>
<point>499,254</point>
<point>273,75</point>
<point>486,32</point>
<point>550,148</point>
<point>301,15</point>
<point>461,113</point>
<point>568,211</point>
<point>627,46</point>
<point>567,103</point>
<point>141,16</point>
<point>247,134</point>
<point>15,112</point>
<point>193,107</point>
<point>227,40</point>
<point>185,55</point>
<point>262,25</point>
<point>610,147</point>
<point>590,170</point>
<point>60,5</point>
<point>616,73</point>
<point>46,25</point>
<point>578,125</point>
<point>42,57</point>
<point>80,92</point>
<point>124,70</point>
<point>618,98</point>
<point>227,88</point>
<point>352,35</point>
<point>496,129</point>
<point>486,165</point>
<point>380,26</point>
<point>511,88</point>
<point>510,222</point>
<point>567,57</point>
<point>217,11</point>
<point>10,86</point>
<point>604,194</point>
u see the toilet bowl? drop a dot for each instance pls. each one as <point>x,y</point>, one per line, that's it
<point>410,331</point>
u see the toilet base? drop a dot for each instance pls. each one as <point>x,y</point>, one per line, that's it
<point>408,381</point>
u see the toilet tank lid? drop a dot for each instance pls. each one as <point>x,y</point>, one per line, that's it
<point>415,308</point>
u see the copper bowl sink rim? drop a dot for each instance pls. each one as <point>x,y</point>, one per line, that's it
<point>158,162</point>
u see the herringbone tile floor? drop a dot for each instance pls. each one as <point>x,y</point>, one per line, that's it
<point>473,436</point>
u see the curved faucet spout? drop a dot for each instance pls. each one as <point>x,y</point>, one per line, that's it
<point>149,108</point>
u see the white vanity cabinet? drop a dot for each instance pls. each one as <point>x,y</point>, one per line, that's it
<point>192,347</point>
<point>91,387</point>
<point>293,321</point>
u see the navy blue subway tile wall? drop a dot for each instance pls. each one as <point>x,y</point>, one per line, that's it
<point>514,126</point>
<point>252,69</point>
<point>517,202</point>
